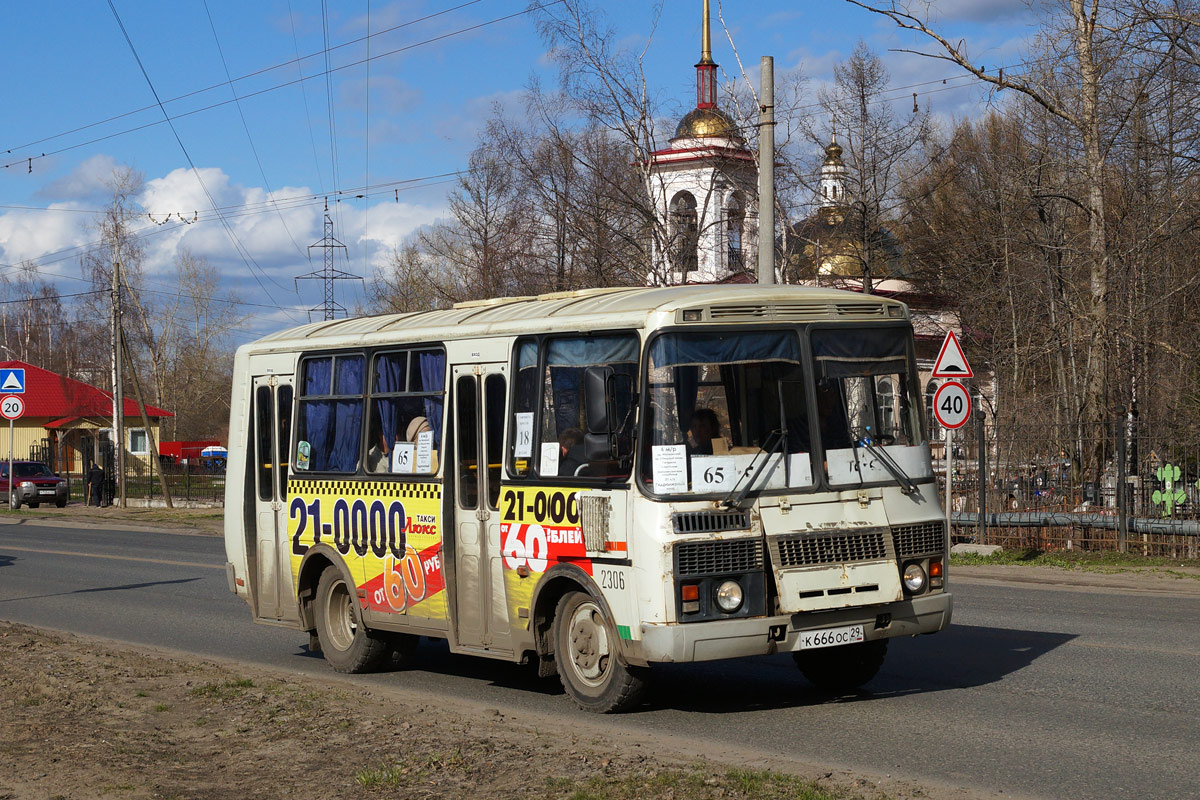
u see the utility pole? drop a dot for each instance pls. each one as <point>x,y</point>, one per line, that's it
<point>766,173</point>
<point>328,274</point>
<point>118,395</point>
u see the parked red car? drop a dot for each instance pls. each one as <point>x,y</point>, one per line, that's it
<point>35,484</point>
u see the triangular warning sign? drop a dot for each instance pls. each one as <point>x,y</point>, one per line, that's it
<point>12,383</point>
<point>951,363</point>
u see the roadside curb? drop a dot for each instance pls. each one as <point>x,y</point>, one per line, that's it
<point>104,523</point>
<point>1152,580</point>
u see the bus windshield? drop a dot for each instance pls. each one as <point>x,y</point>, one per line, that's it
<point>717,402</point>
<point>864,405</point>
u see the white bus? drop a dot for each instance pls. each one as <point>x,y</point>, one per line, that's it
<point>595,481</point>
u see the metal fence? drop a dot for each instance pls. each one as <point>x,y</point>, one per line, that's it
<point>202,483</point>
<point>1129,485</point>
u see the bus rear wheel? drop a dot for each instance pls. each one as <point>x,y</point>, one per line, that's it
<point>345,642</point>
<point>841,669</point>
<point>588,659</point>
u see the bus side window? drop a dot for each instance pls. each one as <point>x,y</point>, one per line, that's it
<point>467,433</point>
<point>494,396</point>
<point>283,400</point>
<point>526,395</point>
<point>407,400</point>
<point>331,413</point>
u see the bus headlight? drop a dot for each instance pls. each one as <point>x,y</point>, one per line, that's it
<point>729,596</point>
<point>914,578</point>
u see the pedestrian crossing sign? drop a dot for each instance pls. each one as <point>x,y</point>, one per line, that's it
<point>12,381</point>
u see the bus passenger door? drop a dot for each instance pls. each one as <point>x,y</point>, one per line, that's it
<point>276,599</point>
<point>481,620</point>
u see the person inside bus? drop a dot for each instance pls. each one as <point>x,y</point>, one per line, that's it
<point>379,453</point>
<point>416,426</point>
<point>704,429</point>
<point>571,455</point>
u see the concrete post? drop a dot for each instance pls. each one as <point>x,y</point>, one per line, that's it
<point>766,174</point>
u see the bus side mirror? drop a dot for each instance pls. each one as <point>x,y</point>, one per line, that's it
<point>599,442</point>
<point>598,401</point>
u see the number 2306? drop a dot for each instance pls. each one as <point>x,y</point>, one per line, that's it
<point>612,579</point>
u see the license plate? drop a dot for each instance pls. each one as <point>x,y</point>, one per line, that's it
<point>45,491</point>
<point>831,637</point>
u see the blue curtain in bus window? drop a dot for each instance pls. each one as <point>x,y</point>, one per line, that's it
<point>433,379</point>
<point>317,372</point>
<point>318,432</point>
<point>717,348</point>
<point>317,416</point>
<point>873,351</point>
<point>389,377</point>
<point>687,384</point>
<point>348,430</point>
<point>592,350</point>
<point>564,387</point>
<point>348,380</point>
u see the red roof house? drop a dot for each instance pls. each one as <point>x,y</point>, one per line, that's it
<point>69,417</point>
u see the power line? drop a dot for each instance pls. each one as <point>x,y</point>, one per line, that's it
<point>168,119</point>
<point>246,258</point>
<point>297,60</point>
<point>246,127</point>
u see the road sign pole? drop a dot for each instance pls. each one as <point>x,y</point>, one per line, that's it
<point>949,473</point>
<point>11,487</point>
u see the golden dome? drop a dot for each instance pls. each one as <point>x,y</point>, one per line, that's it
<point>833,155</point>
<point>703,123</point>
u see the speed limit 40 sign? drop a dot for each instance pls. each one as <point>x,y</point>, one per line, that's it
<point>952,405</point>
<point>12,407</point>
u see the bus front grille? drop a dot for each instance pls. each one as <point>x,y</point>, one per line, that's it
<point>710,521</point>
<point>718,558</point>
<point>916,540</point>
<point>836,547</point>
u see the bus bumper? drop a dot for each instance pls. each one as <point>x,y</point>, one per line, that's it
<point>709,641</point>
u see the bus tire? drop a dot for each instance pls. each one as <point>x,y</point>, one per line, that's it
<point>841,669</point>
<point>345,642</point>
<point>589,661</point>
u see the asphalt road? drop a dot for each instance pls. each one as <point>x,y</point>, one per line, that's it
<point>1034,691</point>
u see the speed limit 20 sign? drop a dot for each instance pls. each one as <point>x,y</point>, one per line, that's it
<point>952,405</point>
<point>12,407</point>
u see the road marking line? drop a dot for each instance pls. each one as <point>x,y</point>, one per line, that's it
<point>115,558</point>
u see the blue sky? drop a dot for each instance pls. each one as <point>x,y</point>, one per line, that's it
<point>78,105</point>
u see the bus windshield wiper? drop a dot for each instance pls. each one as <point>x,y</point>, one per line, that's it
<point>737,497</point>
<point>889,463</point>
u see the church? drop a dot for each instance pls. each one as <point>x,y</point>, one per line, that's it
<point>706,199</point>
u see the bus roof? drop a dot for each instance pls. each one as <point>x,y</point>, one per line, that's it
<point>593,309</point>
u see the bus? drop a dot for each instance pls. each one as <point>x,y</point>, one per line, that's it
<point>593,482</point>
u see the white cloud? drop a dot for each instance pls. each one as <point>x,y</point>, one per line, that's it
<point>88,181</point>
<point>274,231</point>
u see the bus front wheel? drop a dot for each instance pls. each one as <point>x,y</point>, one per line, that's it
<point>588,658</point>
<point>345,642</point>
<point>841,669</point>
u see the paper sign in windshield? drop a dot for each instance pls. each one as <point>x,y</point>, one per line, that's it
<point>524,434</point>
<point>670,468</point>
<point>713,473</point>
<point>549,462</point>
<point>424,458</point>
<point>404,454</point>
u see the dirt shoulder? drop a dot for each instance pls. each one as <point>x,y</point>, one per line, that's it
<point>86,718</point>
<point>1182,579</point>
<point>200,521</point>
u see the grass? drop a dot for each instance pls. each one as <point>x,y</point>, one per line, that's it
<point>223,691</point>
<point>745,784</point>
<point>1107,561</point>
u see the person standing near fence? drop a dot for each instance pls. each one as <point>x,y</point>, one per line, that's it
<point>95,483</point>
